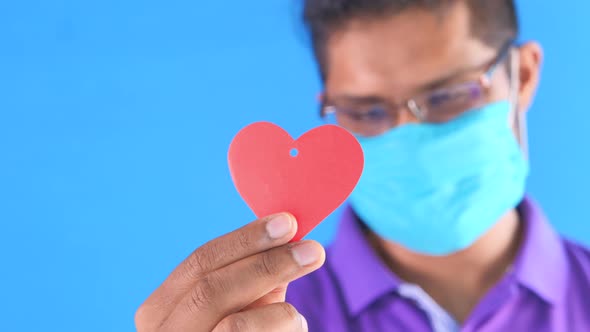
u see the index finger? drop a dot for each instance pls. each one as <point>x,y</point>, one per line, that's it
<point>256,237</point>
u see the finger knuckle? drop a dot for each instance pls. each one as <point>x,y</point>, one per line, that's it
<point>244,240</point>
<point>140,318</point>
<point>267,264</point>
<point>234,323</point>
<point>202,295</point>
<point>194,265</point>
<point>199,262</point>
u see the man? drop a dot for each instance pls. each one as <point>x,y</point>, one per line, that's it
<point>439,235</point>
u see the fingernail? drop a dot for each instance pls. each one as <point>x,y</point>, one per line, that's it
<point>303,322</point>
<point>279,226</point>
<point>306,253</point>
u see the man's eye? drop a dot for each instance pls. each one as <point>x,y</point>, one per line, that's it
<point>372,114</point>
<point>453,97</point>
<point>438,99</point>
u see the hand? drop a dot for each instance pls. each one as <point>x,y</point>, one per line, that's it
<point>235,283</point>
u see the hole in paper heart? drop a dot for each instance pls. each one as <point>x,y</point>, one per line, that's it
<point>294,152</point>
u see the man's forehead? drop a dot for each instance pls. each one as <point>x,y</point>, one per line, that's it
<point>411,48</point>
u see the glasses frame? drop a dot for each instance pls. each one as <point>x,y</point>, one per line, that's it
<point>482,83</point>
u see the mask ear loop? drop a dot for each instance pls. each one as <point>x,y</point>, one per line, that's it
<point>518,120</point>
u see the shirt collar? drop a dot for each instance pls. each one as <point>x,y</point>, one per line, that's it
<point>363,277</point>
<point>540,265</point>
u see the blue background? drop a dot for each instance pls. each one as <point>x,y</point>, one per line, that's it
<point>116,116</point>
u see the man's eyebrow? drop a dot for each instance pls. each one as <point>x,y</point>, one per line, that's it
<point>440,82</point>
<point>356,99</point>
<point>373,99</point>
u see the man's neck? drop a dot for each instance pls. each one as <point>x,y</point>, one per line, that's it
<point>459,281</point>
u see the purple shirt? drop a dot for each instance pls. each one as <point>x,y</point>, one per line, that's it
<point>548,288</point>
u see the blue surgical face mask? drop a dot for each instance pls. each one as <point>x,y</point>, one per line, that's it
<point>437,188</point>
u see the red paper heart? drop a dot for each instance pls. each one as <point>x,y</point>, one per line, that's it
<point>310,185</point>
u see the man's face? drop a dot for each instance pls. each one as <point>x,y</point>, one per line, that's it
<point>392,59</point>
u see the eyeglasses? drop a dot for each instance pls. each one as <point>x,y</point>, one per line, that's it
<point>438,106</point>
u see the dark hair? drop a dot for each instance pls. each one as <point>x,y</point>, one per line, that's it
<point>492,21</point>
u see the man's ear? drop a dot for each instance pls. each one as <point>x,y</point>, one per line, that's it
<point>531,59</point>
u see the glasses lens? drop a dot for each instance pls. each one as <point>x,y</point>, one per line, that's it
<point>364,121</point>
<point>447,104</point>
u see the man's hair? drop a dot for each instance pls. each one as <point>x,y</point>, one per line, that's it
<point>492,21</point>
